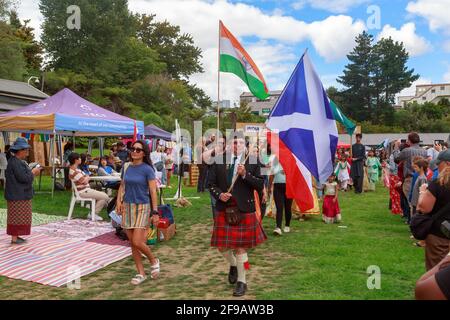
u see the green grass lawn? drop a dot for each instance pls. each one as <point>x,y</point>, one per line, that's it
<point>314,261</point>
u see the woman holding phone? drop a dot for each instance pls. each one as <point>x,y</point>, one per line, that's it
<point>137,209</point>
<point>19,191</point>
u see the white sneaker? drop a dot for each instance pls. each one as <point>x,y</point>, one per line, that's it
<point>96,217</point>
<point>287,230</point>
<point>277,231</point>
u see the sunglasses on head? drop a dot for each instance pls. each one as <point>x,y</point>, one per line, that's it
<point>137,150</point>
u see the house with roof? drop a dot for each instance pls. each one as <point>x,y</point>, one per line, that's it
<point>16,94</point>
<point>258,106</point>
<point>426,93</point>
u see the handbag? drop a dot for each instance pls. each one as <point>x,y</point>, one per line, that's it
<point>421,224</point>
<point>232,214</point>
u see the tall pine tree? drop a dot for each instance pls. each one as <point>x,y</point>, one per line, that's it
<point>357,79</point>
<point>375,74</point>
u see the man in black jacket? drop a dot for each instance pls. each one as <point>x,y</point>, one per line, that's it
<point>357,169</point>
<point>248,233</point>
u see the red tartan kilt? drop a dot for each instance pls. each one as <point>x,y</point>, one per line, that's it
<point>248,234</point>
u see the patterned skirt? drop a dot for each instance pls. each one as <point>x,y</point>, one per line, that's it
<point>136,216</point>
<point>394,193</point>
<point>330,208</point>
<point>248,234</point>
<point>19,218</point>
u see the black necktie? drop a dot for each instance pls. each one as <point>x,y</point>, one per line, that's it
<point>231,171</point>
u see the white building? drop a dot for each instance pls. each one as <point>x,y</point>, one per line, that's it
<point>427,93</point>
<point>258,106</point>
<point>223,104</point>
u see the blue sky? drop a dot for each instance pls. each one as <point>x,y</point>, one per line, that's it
<point>276,33</point>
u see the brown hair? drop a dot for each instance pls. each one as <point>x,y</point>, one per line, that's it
<point>421,163</point>
<point>414,137</point>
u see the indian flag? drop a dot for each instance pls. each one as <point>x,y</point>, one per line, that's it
<point>234,59</point>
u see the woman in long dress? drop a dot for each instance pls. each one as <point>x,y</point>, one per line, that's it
<point>373,167</point>
<point>394,187</point>
<point>303,215</point>
<point>19,192</point>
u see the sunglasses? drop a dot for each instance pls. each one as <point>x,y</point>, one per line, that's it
<point>137,150</point>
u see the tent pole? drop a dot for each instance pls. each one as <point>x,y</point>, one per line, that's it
<point>52,159</point>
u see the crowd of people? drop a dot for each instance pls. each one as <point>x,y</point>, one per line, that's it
<point>244,178</point>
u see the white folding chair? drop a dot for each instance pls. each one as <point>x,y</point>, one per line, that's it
<point>75,198</point>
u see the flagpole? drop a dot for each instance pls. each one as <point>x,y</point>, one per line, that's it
<point>218,87</point>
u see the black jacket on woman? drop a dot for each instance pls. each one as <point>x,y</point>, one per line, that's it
<point>19,181</point>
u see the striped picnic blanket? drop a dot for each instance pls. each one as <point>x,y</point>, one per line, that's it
<point>38,218</point>
<point>75,229</point>
<point>56,261</point>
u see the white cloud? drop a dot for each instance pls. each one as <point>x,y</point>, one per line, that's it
<point>434,11</point>
<point>298,5</point>
<point>447,75</point>
<point>447,46</point>
<point>245,20</point>
<point>329,42</point>
<point>29,9</point>
<point>273,36</point>
<point>335,6</point>
<point>411,91</point>
<point>414,44</point>
<point>330,80</point>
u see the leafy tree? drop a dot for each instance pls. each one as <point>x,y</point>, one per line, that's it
<point>357,79</point>
<point>200,98</point>
<point>12,61</point>
<point>132,62</point>
<point>32,50</point>
<point>106,25</point>
<point>5,7</point>
<point>77,82</point>
<point>391,73</point>
<point>375,74</point>
<point>176,50</point>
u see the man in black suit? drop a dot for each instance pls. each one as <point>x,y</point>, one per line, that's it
<point>357,168</point>
<point>249,232</point>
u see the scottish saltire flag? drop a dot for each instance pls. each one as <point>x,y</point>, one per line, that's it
<point>303,121</point>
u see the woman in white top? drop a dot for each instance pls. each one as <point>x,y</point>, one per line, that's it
<point>81,181</point>
<point>277,183</point>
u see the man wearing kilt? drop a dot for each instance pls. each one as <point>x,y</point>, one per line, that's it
<point>248,233</point>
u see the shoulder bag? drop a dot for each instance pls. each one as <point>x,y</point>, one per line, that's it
<point>421,224</point>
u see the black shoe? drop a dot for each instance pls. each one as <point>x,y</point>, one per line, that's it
<point>19,241</point>
<point>233,275</point>
<point>240,289</point>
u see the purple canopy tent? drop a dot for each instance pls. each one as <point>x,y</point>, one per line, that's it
<point>66,113</point>
<point>152,131</point>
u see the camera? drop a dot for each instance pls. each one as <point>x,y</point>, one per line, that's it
<point>445,228</point>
